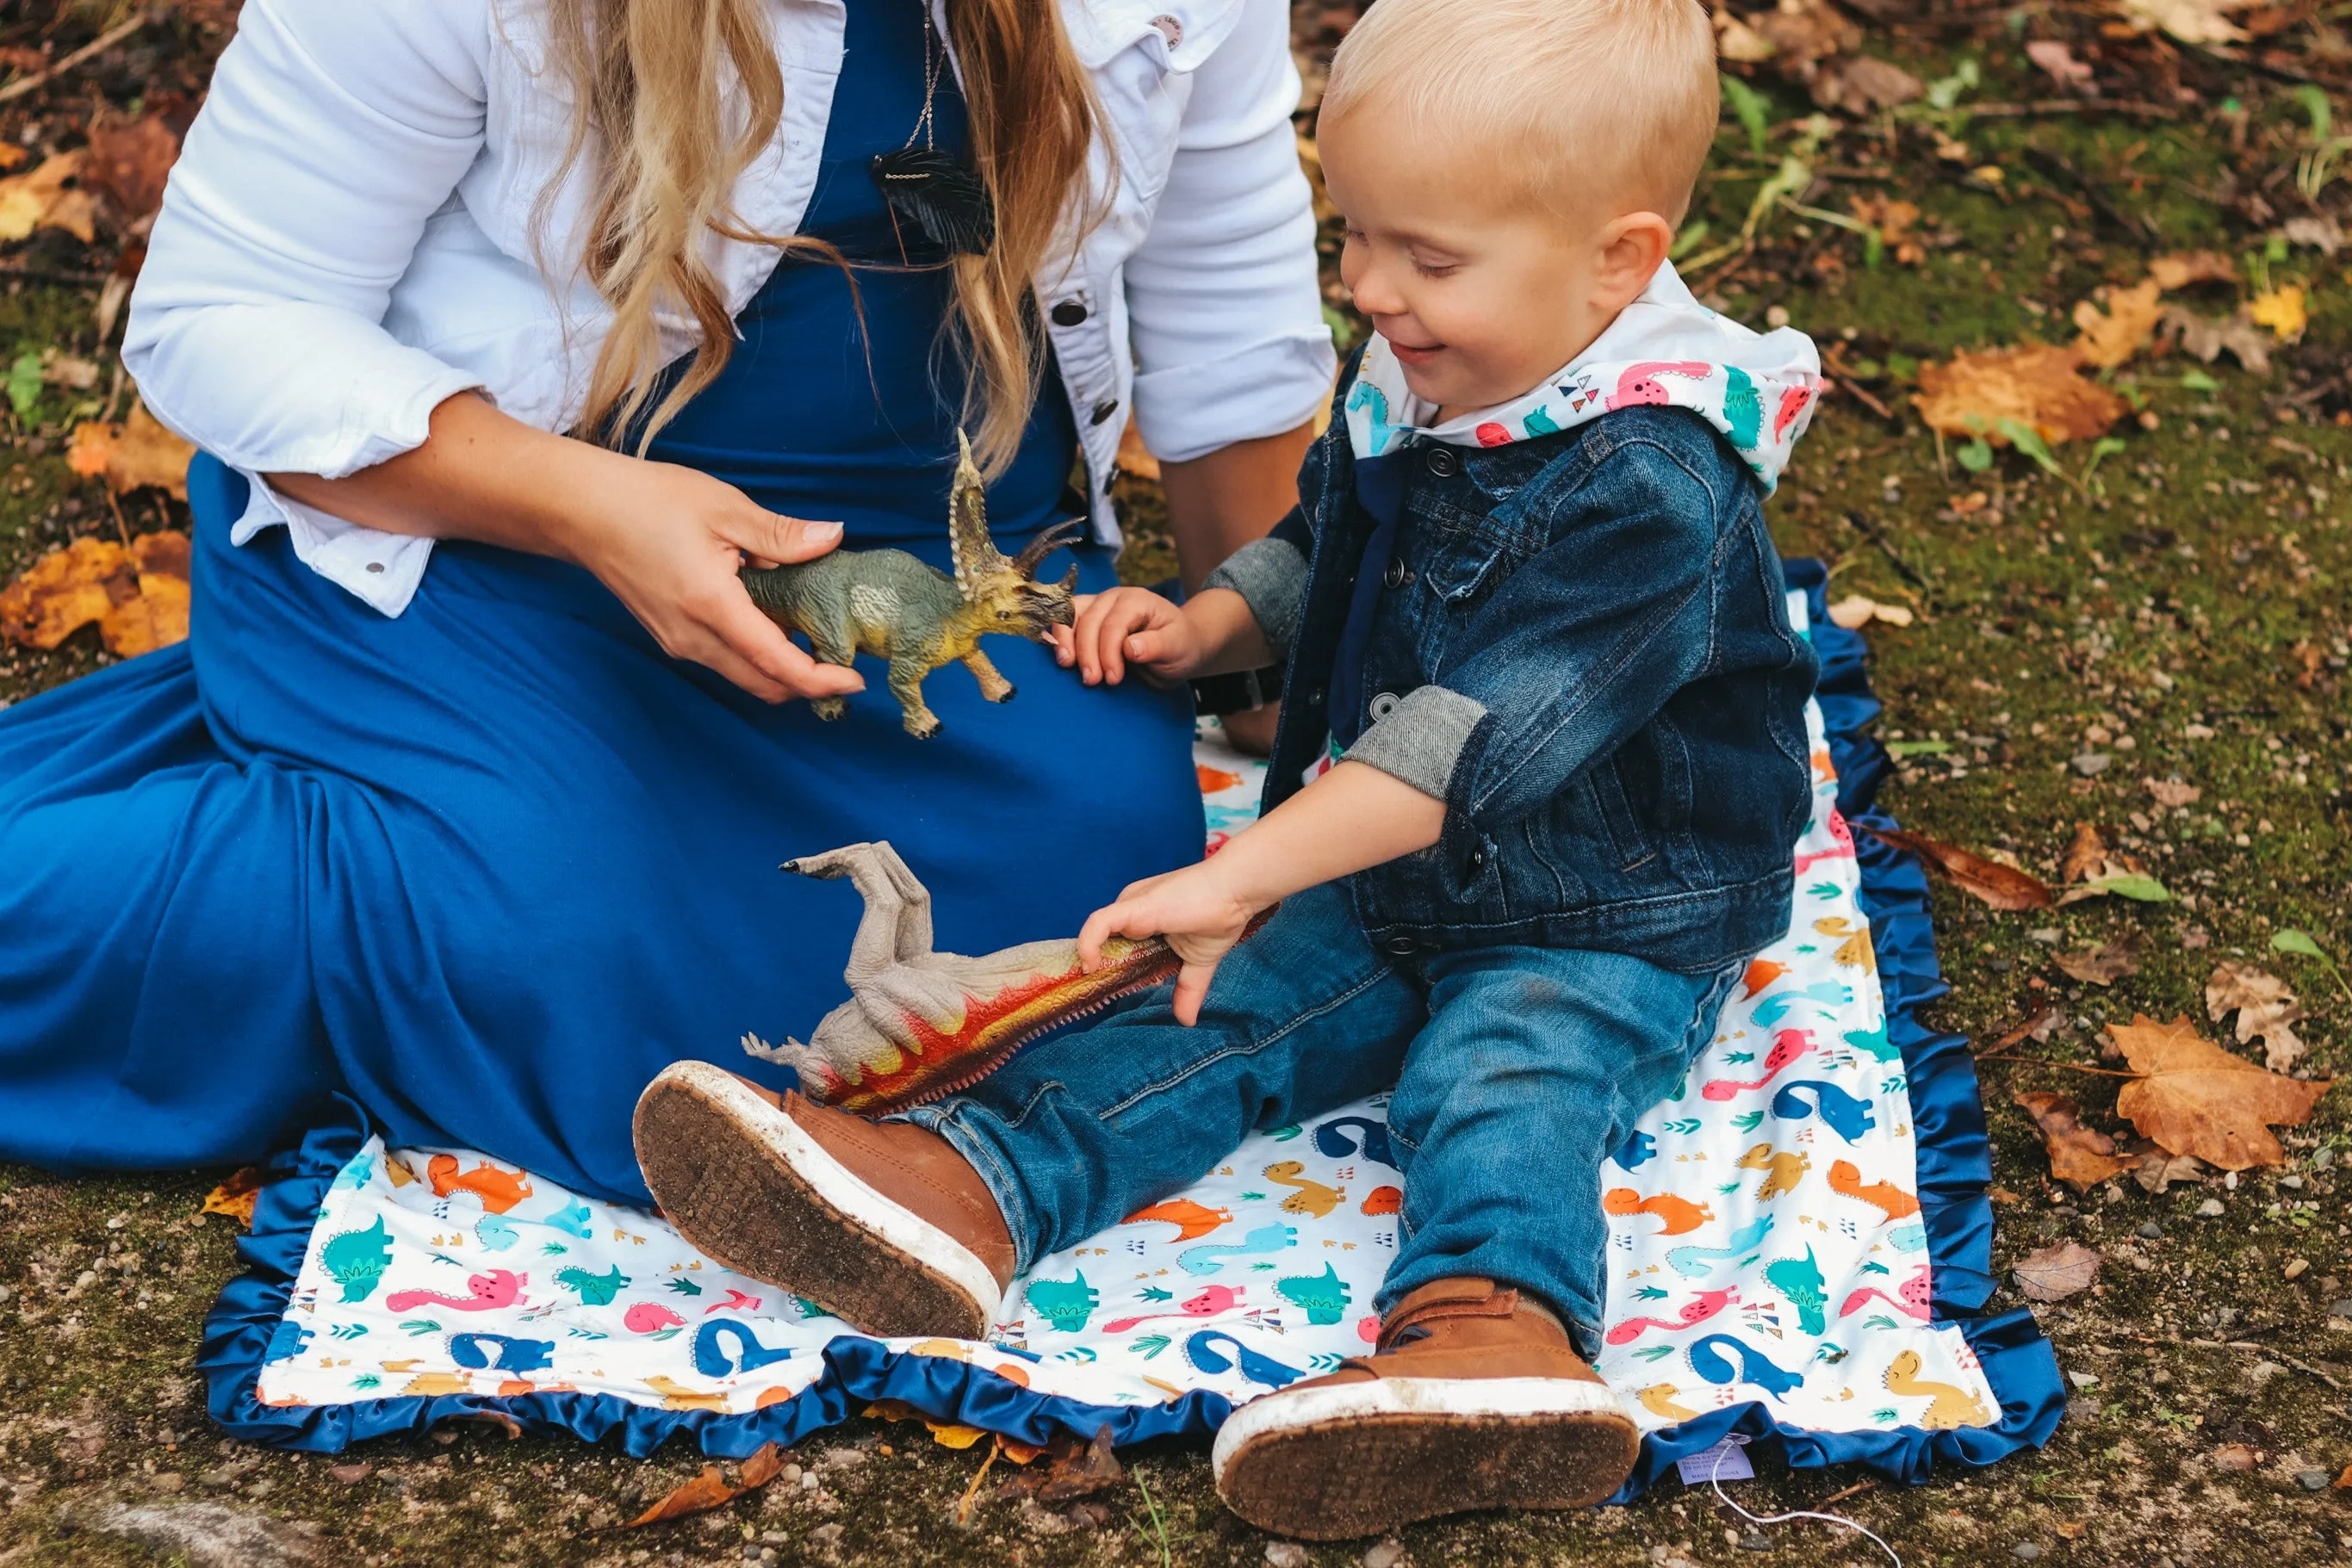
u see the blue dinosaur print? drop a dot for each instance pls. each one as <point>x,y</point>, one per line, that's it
<point>1365,395</point>
<point>355,1175</point>
<point>356,1260</point>
<point>1828,994</point>
<point>1331,1138</point>
<point>1635,1151</point>
<point>711,1356</point>
<point>1799,1279</point>
<point>1201,1350</point>
<point>1848,1116</point>
<point>286,1341</point>
<point>1325,1296</point>
<point>504,1353</point>
<point>496,1232</point>
<point>1691,1262</point>
<point>1208,1260</point>
<point>1742,413</point>
<point>1911,1238</point>
<point>1710,1363</point>
<point>1874,1042</point>
<point>1065,1304</point>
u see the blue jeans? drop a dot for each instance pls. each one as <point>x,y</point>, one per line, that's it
<point>1517,1070</point>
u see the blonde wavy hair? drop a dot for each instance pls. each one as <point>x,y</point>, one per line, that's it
<point>675,98</point>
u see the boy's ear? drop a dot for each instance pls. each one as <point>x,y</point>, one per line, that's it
<point>1632,248</point>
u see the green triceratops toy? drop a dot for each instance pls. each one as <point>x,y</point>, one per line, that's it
<point>888,603</point>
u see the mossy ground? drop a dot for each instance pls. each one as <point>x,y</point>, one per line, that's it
<point>2186,616</point>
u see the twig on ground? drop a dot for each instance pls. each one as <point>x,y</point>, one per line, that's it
<point>2065,1066</point>
<point>1877,535</point>
<point>2019,1035</point>
<point>964,1504</point>
<point>1846,382</point>
<point>1854,1491</point>
<point>2272,1350</point>
<point>90,50</point>
<point>2057,167</point>
<point>2036,108</point>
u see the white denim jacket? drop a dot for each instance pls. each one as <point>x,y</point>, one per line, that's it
<point>349,238</point>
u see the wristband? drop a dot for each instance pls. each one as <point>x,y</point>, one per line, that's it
<point>1244,692</point>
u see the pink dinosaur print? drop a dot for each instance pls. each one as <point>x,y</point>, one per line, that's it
<point>1211,1300</point>
<point>1913,1291</point>
<point>1639,384</point>
<point>1493,435</point>
<point>1697,1310</point>
<point>1679,1213</point>
<point>736,1301</point>
<point>1844,851</point>
<point>1792,403</point>
<point>650,1317</point>
<point>1786,1046</point>
<point>499,1287</point>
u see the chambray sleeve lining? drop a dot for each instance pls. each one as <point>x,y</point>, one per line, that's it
<point>1270,574</point>
<point>1421,739</point>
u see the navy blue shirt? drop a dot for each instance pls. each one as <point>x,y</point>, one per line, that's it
<point>822,415</point>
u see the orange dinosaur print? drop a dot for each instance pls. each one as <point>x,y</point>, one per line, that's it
<point>1783,1170</point>
<point>1384,1201</point>
<point>1761,973</point>
<point>1845,1179</point>
<point>1823,771</point>
<point>1191,1220</point>
<point>1679,1213</point>
<point>1311,1197</point>
<point>433,1385</point>
<point>498,1190</point>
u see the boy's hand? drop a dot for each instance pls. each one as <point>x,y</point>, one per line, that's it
<point>1193,908</point>
<point>1128,626</point>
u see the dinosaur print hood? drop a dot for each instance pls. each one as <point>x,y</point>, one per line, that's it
<point>1665,348</point>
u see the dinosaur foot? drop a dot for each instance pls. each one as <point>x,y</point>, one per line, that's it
<point>1006,695</point>
<point>922,726</point>
<point>828,708</point>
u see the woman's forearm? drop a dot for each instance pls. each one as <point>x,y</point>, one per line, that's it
<point>1220,502</point>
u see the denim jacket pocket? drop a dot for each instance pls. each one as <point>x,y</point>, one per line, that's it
<point>1605,788</point>
<point>1464,559</point>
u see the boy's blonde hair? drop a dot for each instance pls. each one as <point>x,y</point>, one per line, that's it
<point>1569,101</point>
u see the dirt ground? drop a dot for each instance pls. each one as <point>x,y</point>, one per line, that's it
<point>2171,608</point>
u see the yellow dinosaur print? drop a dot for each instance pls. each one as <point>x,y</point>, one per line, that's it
<point>1856,949</point>
<point>1658,1399</point>
<point>431,1385</point>
<point>1311,1196</point>
<point>1950,1406</point>
<point>677,1395</point>
<point>1784,1169</point>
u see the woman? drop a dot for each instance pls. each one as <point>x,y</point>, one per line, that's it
<point>465,797</point>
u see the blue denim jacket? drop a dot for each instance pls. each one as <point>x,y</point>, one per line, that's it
<point>1584,648</point>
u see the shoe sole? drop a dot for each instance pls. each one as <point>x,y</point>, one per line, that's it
<point>1353,1459</point>
<point>744,1184</point>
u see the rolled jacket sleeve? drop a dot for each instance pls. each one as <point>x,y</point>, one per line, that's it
<point>332,134</point>
<point>1224,310</point>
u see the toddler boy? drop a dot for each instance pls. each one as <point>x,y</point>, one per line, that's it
<point>1541,767</point>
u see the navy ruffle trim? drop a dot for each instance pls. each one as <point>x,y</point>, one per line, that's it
<point>1954,1166</point>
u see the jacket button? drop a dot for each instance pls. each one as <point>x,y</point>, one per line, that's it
<point>1478,859</point>
<point>1382,705</point>
<point>1314,698</point>
<point>1069,313</point>
<point>1397,574</point>
<point>1442,462</point>
<point>1401,946</point>
<point>1170,28</point>
<point>1103,411</point>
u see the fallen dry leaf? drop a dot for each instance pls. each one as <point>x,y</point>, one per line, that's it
<point>2054,1273</point>
<point>2191,21</point>
<point>2282,311</point>
<point>1736,41</point>
<point>2318,231</point>
<point>2207,337</point>
<point>128,164</point>
<point>1990,881</point>
<point>2183,267</point>
<point>2086,855</point>
<point>710,1489</point>
<point>235,1197</point>
<point>2266,1007</point>
<point>2236,1457</point>
<point>2171,793</point>
<point>2114,336</point>
<point>1855,612</point>
<point>2156,1170</point>
<point>135,455</point>
<point>42,198</point>
<point>2194,1098</point>
<point>2057,60</point>
<point>2036,385</point>
<point>2100,965</point>
<point>138,597</point>
<point>1865,82</point>
<point>1802,32</point>
<point>1076,1471</point>
<point>2079,1156</point>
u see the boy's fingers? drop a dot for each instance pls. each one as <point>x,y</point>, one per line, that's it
<point>1191,990</point>
<point>1091,935</point>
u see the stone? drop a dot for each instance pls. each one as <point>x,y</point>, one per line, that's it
<point>1285,1554</point>
<point>1754,1542</point>
<point>350,1475</point>
<point>2026,1552</point>
<point>210,1534</point>
<point>1384,1555</point>
<point>2342,1309</point>
<point>2089,765</point>
<point>2150,1230</point>
<point>2311,1481</point>
<point>2210,1209</point>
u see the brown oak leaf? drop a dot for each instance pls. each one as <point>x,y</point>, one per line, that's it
<point>2102,965</point>
<point>138,597</point>
<point>2266,1007</point>
<point>709,1490</point>
<point>2037,386</point>
<point>2054,1273</point>
<point>2002,886</point>
<point>2112,336</point>
<point>2079,1156</point>
<point>136,453</point>
<point>2194,1098</point>
<point>2204,337</point>
<point>2086,855</point>
<point>2181,268</point>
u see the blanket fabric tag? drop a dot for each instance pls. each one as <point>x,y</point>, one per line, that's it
<point>1726,1461</point>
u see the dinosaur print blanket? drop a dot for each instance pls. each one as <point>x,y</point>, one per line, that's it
<point>1767,1242</point>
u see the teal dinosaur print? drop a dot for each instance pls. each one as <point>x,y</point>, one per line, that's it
<point>1743,416</point>
<point>1799,1279</point>
<point>1065,1304</point>
<point>1539,423</point>
<point>1875,1041</point>
<point>356,1260</point>
<point>1325,1296</point>
<point>595,1290</point>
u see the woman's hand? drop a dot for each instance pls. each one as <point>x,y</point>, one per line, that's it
<point>1195,909</point>
<point>670,544</point>
<point>1129,626</point>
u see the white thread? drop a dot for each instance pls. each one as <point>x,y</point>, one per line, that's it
<point>1784,1518</point>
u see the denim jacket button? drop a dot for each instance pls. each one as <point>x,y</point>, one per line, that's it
<point>1442,462</point>
<point>1402,946</point>
<point>1314,698</point>
<point>1478,859</point>
<point>1397,575</point>
<point>1382,705</point>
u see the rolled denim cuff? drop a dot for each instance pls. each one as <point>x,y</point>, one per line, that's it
<point>1270,576</point>
<point>1421,738</point>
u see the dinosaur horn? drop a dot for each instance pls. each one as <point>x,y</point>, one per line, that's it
<point>974,552</point>
<point>1032,554</point>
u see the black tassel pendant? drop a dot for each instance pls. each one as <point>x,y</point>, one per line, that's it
<point>936,192</point>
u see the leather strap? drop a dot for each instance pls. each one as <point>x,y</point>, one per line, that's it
<point>1495,1303</point>
<point>1244,692</point>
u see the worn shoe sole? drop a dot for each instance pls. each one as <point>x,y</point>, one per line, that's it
<point>1342,1461</point>
<point>744,1184</point>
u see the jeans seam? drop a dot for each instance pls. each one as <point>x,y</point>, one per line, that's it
<point>1253,1049</point>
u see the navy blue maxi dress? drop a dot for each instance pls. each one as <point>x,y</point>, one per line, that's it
<point>487,866</point>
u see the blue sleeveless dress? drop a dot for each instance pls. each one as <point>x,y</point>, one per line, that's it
<point>487,867</point>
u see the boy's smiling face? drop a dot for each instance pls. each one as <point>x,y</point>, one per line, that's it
<point>1482,291</point>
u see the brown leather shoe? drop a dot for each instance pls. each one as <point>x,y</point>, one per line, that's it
<point>881,1223</point>
<point>1473,1400</point>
